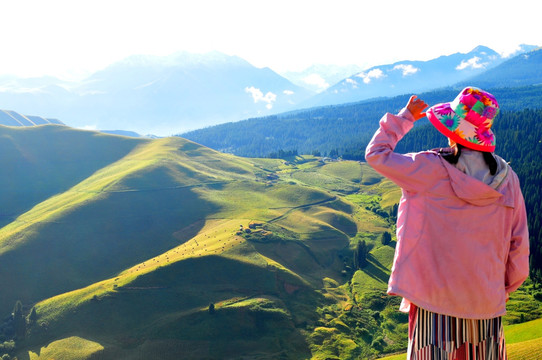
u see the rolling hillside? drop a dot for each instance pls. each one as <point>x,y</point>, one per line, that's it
<point>46,160</point>
<point>140,245</point>
<point>165,249</point>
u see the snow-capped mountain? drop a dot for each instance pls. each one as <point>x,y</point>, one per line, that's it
<point>523,69</point>
<point>410,76</point>
<point>319,77</point>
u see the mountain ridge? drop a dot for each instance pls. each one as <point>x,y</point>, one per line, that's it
<point>520,70</point>
<point>165,95</point>
<point>408,76</point>
<point>180,91</point>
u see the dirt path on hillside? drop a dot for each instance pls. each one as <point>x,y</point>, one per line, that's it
<point>290,209</point>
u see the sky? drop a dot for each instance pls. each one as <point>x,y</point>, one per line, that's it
<point>70,38</point>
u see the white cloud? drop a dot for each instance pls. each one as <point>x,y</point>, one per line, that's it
<point>288,92</point>
<point>512,51</point>
<point>472,63</point>
<point>352,82</point>
<point>258,96</point>
<point>316,80</point>
<point>90,127</point>
<point>406,69</point>
<point>373,74</point>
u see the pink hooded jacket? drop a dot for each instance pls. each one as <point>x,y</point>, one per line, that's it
<point>462,245</point>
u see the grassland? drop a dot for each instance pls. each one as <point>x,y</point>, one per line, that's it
<point>65,349</point>
<point>166,249</point>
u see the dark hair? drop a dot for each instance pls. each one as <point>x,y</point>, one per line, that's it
<point>488,158</point>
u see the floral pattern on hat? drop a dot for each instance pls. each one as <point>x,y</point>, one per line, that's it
<point>443,109</point>
<point>450,121</point>
<point>468,119</point>
<point>485,136</point>
<point>475,119</point>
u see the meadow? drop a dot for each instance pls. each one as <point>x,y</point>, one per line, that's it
<point>166,248</point>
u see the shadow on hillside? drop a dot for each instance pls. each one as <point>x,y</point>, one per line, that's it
<point>376,270</point>
<point>259,311</point>
<point>101,239</point>
<point>294,255</point>
<point>26,356</point>
<point>47,168</point>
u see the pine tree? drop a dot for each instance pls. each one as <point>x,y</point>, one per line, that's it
<point>360,255</point>
<point>33,316</point>
<point>385,238</point>
<point>19,321</point>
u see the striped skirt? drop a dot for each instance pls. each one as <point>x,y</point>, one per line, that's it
<point>434,336</point>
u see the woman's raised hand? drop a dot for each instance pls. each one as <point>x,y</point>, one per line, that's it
<point>416,107</point>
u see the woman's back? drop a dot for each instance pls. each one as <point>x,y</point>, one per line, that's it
<point>462,237</point>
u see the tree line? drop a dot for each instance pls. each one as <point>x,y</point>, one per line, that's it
<point>344,129</point>
<point>13,330</point>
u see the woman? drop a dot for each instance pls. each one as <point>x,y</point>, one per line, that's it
<point>462,238</point>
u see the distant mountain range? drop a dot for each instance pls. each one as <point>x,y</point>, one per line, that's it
<point>182,92</point>
<point>319,77</point>
<point>521,70</point>
<point>412,76</point>
<point>325,128</point>
<point>162,95</point>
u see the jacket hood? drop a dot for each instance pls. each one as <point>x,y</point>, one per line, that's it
<point>471,181</point>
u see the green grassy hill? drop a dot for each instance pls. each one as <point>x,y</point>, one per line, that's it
<point>42,161</point>
<point>138,249</point>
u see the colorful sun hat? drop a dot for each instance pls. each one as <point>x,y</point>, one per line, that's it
<point>468,119</point>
